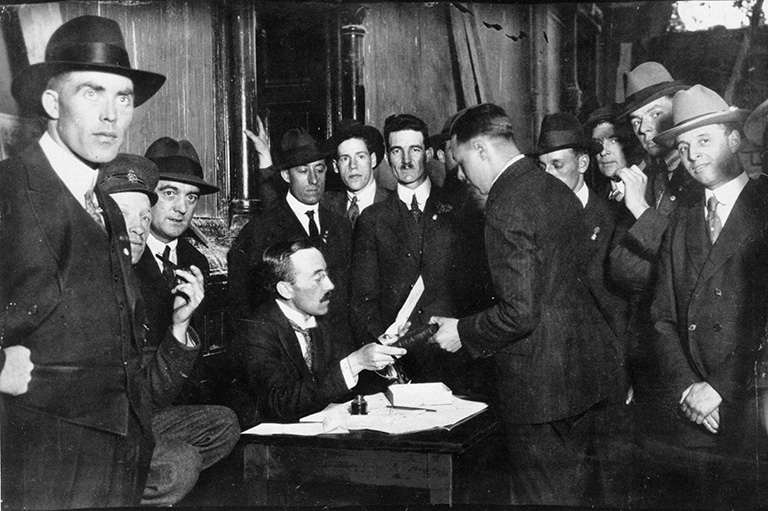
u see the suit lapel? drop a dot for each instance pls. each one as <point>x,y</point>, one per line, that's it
<point>697,244</point>
<point>391,221</point>
<point>288,339</point>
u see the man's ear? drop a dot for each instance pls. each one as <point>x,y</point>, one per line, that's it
<point>286,175</point>
<point>284,290</point>
<point>479,145</point>
<point>335,167</point>
<point>50,99</point>
<point>374,160</point>
<point>440,156</point>
<point>430,153</point>
<point>583,163</point>
<point>734,141</point>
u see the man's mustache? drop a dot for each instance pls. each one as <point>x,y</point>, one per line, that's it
<point>326,297</point>
<point>406,166</point>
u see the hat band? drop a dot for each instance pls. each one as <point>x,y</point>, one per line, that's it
<point>702,117</point>
<point>90,53</point>
<point>558,138</point>
<point>128,176</point>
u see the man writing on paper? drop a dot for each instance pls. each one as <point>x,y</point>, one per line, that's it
<point>415,233</point>
<point>295,362</point>
<point>553,351</point>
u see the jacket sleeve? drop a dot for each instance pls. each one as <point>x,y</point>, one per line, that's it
<point>634,255</point>
<point>167,367</point>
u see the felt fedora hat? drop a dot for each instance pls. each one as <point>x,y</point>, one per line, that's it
<point>85,43</point>
<point>647,82</point>
<point>129,173</point>
<point>563,131</point>
<point>599,116</point>
<point>754,126</point>
<point>299,148</point>
<point>350,128</point>
<point>177,160</point>
<point>696,107</point>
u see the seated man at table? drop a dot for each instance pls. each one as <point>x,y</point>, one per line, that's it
<point>294,363</point>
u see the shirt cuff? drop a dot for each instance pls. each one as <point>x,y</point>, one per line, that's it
<point>346,371</point>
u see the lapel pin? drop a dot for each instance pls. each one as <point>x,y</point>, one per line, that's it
<point>595,233</point>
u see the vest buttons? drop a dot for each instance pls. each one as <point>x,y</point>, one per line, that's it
<point>691,328</point>
<point>672,198</point>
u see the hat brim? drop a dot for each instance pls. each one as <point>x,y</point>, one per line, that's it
<point>590,146</point>
<point>302,159</point>
<point>645,96</point>
<point>667,138</point>
<point>436,141</point>
<point>369,133</point>
<point>28,86</point>
<point>205,188</point>
<point>754,126</point>
<point>122,188</point>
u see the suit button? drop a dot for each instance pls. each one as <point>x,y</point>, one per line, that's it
<point>421,311</point>
<point>717,327</point>
<point>116,278</point>
<point>691,328</point>
<point>672,198</point>
<point>32,310</point>
<point>408,254</point>
<point>718,292</point>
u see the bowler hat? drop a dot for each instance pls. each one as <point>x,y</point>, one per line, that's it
<point>437,141</point>
<point>299,148</point>
<point>563,131</point>
<point>86,43</point>
<point>350,128</point>
<point>129,173</point>
<point>754,126</point>
<point>178,161</point>
<point>696,107</point>
<point>646,83</point>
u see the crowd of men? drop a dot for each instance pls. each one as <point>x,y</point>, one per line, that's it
<point>617,329</point>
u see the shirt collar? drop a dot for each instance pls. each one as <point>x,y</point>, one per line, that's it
<point>299,208</point>
<point>728,193</point>
<point>509,163</point>
<point>76,175</point>
<point>364,196</point>
<point>156,246</point>
<point>304,321</point>
<point>422,193</point>
<point>583,194</point>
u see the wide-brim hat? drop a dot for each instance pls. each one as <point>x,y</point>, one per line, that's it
<point>178,161</point>
<point>437,141</point>
<point>563,131</point>
<point>696,107</point>
<point>299,148</point>
<point>129,173</point>
<point>350,128</point>
<point>599,116</point>
<point>646,83</point>
<point>754,126</point>
<point>86,43</point>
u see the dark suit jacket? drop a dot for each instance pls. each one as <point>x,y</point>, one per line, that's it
<point>277,376</point>
<point>68,292</point>
<point>554,353</point>
<point>711,301</point>
<point>246,287</point>
<point>337,201</point>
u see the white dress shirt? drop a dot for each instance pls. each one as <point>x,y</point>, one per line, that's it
<point>78,177</point>
<point>583,194</point>
<point>365,196</point>
<point>726,196</point>
<point>157,247</point>
<point>422,194</point>
<point>300,210</point>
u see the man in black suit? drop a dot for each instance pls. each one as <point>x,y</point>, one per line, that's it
<point>711,300</point>
<point>81,436</point>
<point>298,213</point>
<point>357,150</point>
<point>553,351</point>
<point>296,363</point>
<point>188,438</point>
<point>415,233</point>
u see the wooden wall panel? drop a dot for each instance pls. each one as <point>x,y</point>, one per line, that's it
<point>175,38</point>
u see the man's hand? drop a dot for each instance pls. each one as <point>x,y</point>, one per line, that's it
<point>187,295</point>
<point>374,357</point>
<point>447,337</point>
<point>699,401</point>
<point>712,422</point>
<point>17,371</point>
<point>635,183</point>
<point>261,144</point>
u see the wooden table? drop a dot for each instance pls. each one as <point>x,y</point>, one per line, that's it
<point>425,460</point>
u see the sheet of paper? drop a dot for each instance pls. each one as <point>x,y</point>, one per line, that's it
<point>407,309</point>
<point>296,429</point>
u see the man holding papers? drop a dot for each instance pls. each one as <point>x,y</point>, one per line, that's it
<point>295,364</point>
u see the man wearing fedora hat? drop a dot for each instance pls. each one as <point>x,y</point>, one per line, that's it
<point>82,435</point>
<point>416,233</point>
<point>357,150</point>
<point>298,213</point>
<point>711,300</point>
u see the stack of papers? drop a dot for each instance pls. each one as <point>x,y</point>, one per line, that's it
<point>336,418</point>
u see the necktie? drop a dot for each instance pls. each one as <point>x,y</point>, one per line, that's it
<point>307,334</point>
<point>415,211</point>
<point>93,209</point>
<point>713,220</point>
<point>313,230</point>
<point>168,274</point>
<point>354,211</point>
